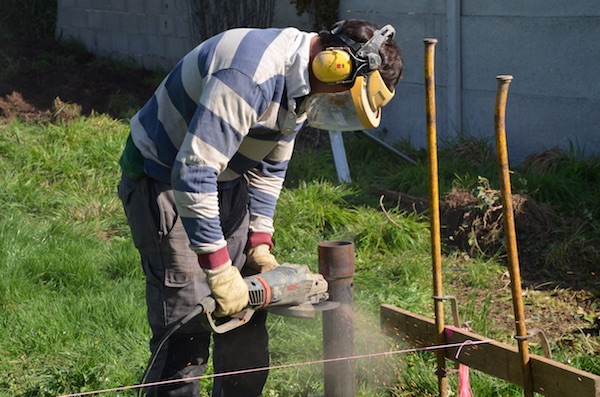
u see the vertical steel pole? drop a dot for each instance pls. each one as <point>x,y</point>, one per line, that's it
<point>336,264</point>
<point>434,212</point>
<point>509,230</point>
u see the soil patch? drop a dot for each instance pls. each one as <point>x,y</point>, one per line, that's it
<point>34,74</point>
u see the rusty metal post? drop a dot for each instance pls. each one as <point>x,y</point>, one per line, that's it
<point>509,231</point>
<point>336,264</point>
<point>434,212</point>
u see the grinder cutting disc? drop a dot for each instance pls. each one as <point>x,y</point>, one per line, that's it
<point>305,310</point>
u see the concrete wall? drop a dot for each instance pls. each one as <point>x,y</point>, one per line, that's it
<point>549,46</point>
<point>149,33</point>
<point>154,34</point>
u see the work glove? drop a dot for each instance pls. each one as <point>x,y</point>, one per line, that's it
<point>260,258</point>
<point>228,288</point>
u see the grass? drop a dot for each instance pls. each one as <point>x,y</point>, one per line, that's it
<point>71,288</point>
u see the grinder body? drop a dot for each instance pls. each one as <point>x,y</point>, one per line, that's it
<point>286,285</point>
<point>288,290</point>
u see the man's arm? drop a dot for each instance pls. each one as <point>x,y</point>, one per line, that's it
<point>229,106</point>
<point>265,184</point>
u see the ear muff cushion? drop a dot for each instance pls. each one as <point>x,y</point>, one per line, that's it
<point>369,95</point>
<point>332,65</point>
<point>369,118</point>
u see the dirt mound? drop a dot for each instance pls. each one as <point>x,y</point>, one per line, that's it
<point>34,74</point>
<point>475,223</point>
<point>13,105</point>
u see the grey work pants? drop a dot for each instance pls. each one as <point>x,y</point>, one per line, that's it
<point>174,285</point>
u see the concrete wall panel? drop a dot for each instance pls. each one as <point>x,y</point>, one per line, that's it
<point>390,8</point>
<point>531,8</point>
<point>549,46</point>
<point>544,59</point>
<point>546,45</point>
<point>563,122</point>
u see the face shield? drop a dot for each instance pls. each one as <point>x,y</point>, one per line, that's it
<point>355,109</point>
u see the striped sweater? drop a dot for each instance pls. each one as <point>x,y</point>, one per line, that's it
<point>226,110</point>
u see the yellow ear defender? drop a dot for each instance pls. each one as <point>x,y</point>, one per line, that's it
<point>358,64</point>
<point>332,65</point>
<point>344,64</point>
<point>369,95</point>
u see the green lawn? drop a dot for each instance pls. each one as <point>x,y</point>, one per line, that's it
<point>71,288</point>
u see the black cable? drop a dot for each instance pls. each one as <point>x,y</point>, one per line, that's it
<point>197,311</point>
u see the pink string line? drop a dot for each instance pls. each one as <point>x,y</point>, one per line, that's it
<point>467,342</point>
<point>251,370</point>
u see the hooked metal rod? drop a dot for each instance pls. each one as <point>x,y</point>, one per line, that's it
<point>509,230</point>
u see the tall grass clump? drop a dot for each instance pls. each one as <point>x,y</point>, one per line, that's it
<point>567,179</point>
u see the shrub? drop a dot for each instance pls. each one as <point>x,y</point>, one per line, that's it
<point>28,19</point>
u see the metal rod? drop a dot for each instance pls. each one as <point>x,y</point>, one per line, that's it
<point>386,146</point>
<point>509,230</point>
<point>434,211</point>
<point>336,264</point>
<point>339,156</point>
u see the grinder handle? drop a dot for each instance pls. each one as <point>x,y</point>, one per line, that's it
<point>209,305</point>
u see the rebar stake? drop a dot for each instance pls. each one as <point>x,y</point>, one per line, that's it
<point>510,236</point>
<point>434,210</point>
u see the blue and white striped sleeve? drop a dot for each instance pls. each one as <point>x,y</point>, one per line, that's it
<point>265,184</point>
<point>229,105</point>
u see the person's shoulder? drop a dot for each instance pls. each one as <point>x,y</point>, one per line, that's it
<point>266,33</point>
<point>255,42</point>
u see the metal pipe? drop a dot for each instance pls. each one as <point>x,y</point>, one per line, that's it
<point>386,146</point>
<point>509,231</point>
<point>434,212</point>
<point>336,264</point>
